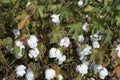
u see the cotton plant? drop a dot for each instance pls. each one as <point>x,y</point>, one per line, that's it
<point>95,38</point>
<point>83,69</point>
<point>50,74</point>
<point>84,52</point>
<point>65,42</point>
<point>118,49</point>
<point>21,46</point>
<point>29,75</point>
<point>55,53</point>
<point>20,70</point>
<point>55,18</point>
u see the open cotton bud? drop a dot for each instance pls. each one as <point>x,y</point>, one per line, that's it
<point>65,42</point>
<point>95,44</point>
<point>83,69</point>
<point>33,53</point>
<point>80,3</point>
<point>60,77</point>
<point>86,51</point>
<point>29,75</point>
<point>96,37</point>
<point>54,52</point>
<point>80,38</point>
<point>96,68</point>
<point>55,18</point>
<point>32,41</point>
<point>61,59</point>
<point>20,70</point>
<point>16,32</point>
<point>50,74</point>
<point>84,27</point>
<point>19,44</point>
<point>103,73</point>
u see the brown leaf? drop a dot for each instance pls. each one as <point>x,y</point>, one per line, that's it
<point>23,22</point>
<point>114,55</point>
<point>116,71</point>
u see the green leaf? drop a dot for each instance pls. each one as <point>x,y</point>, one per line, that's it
<point>79,77</point>
<point>40,11</point>
<point>117,18</point>
<point>5,1</point>
<point>16,50</point>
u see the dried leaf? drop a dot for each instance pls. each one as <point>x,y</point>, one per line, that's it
<point>116,71</point>
<point>23,22</point>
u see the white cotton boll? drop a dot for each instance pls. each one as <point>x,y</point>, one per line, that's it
<point>86,51</point>
<point>80,3</point>
<point>91,78</point>
<point>16,32</point>
<point>96,68</point>
<point>83,69</point>
<point>65,42</point>
<point>32,41</point>
<point>53,53</point>
<point>29,75</point>
<point>55,18</point>
<point>103,73</point>
<point>80,38</point>
<point>60,77</point>
<point>61,59</point>
<point>20,70</point>
<point>33,53</point>
<point>95,44</point>
<point>28,3</point>
<point>84,27</point>
<point>96,36</point>
<point>50,74</point>
<point>19,44</point>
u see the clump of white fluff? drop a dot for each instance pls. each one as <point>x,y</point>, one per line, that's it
<point>32,41</point>
<point>86,51</point>
<point>55,53</point>
<point>50,74</point>
<point>103,73</point>
<point>55,18</point>
<point>33,53</point>
<point>65,42</point>
<point>80,3</point>
<point>60,77</point>
<point>83,69</point>
<point>21,46</point>
<point>29,75</point>
<point>84,27</point>
<point>20,70</point>
<point>16,32</point>
<point>118,49</point>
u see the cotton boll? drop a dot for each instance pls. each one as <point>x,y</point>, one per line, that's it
<point>85,51</point>
<point>83,69</point>
<point>50,74</point>
<point>16,32</point>
<point>95,37</point>
<point>60,77</point>
<point>28,3</point>
<point>65,42</point>
<point>32,41</point>
<point>95,44</point>
<point>80,38</point>
<point>118,49</point>
<point>103,73</point>
<point>53,53</point>
<point>61,59</point>
<point>33,53</point>
<point>84,27</point>
<point>29,75</point>
<point>55,18</point>
<point>80,3</point>
<point>96,68</point>
<point>20,70</point>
